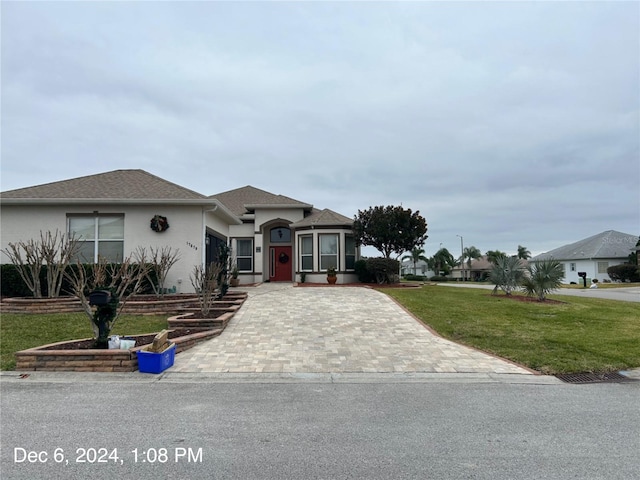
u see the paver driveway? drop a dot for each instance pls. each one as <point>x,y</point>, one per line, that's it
<point>286,329</point>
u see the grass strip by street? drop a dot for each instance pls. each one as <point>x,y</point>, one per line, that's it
<point>22,331</point>
<point>577,335</point>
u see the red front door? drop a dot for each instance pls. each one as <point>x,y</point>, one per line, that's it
<point>280,266</point>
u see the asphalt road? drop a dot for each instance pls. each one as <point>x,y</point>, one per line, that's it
<point>432,429</point>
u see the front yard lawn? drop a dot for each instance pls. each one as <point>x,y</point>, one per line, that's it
<point>22,331</point>
<point>577,335</point>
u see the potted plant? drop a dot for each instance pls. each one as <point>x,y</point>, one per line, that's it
<point>331,275</point>
<point>234,282</point>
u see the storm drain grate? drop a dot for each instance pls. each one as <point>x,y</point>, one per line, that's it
<point>611,377</point>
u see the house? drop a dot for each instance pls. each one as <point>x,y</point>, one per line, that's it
<point>421,267</point>
<point>478,271</point>
<point>272,237</point>
<point>593,255</point>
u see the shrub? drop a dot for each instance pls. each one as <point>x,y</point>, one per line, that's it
<point>625,272</point>
<point>438,278</point>
<point>411,277</point>
<point>383,270</point>
<point>363,273</point>
<point>13,285</point>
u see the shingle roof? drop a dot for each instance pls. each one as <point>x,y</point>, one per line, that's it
<point>609,244</point>
<point>114,185</point>
<point>239,199</point>
<point>323,218</point>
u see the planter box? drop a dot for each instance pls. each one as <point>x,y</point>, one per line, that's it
<point>48,358</point>
<point>156,362</point>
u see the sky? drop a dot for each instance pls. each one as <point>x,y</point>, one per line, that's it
<point>506,123</point>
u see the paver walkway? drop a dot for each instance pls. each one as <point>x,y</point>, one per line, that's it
<point>282,329</point>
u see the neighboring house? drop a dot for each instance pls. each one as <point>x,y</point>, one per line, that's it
<point>478,271</point>
<point>592,255</point>
<point>272,237</point>
<point>420,268</point>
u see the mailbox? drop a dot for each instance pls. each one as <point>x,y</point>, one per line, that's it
<point>583,275</point>
<point>100,297</point>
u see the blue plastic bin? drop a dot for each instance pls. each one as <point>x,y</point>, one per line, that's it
<point>152,362</point>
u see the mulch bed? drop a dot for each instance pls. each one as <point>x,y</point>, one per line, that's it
<point>140,340</point>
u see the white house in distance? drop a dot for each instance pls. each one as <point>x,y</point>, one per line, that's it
<point>272,237</point>
<point>592,255</point>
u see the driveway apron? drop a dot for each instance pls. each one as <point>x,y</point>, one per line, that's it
<point>282,329</point>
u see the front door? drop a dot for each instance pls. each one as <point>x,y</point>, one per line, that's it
<point>280,267</point>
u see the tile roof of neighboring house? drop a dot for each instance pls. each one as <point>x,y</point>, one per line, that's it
<point>241,200</point>
<point>609,244</point>
<point>114,185</point>
<point>323,218</point>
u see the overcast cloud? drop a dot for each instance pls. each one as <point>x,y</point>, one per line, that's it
<point>506,123</point>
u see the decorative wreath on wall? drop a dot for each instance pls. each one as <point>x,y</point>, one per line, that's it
<point>159,223</point>
<point>283,258</point>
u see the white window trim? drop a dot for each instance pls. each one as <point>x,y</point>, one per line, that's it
<point>96,226</point>
<point>306,255</point>
<point>249,239</point>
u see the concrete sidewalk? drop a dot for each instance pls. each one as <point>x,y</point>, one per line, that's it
<point>282,329</point>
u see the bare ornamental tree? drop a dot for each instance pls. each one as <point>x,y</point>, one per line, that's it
<point>53,250</point>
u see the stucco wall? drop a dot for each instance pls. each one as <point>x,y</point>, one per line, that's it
<point>186,231</point>
<point>588,266</point>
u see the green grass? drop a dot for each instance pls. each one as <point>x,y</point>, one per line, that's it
<point>22,331</point>
<point>579,335</point>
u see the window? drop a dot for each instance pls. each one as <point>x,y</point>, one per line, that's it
<point>244,254</point>
<point>99,235</point>
<point>602,267</point>
<point>306,252</point>
<point>350,252</point>
<point>328,251</point>
<point>280,235</point>
<point>572,267</point>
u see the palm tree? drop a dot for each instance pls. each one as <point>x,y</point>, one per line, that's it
<point>494,255</point>
<point>471,253</point>
<point>523,253</point>
<point>507,274</point>
<point>416,255</point>
<point>544,277</point>
<point>443,261</point>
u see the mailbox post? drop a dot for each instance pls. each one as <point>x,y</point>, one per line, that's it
<point>106,305</point>
<point>583,275</point>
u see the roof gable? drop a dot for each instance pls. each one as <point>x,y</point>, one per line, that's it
<point>114,185</point>
<point>324,218</point>
<point>608,244</point>
<point>241,200</point>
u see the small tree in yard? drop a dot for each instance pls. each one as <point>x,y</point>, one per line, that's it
<point>161,260</point>
<point>507,274</point>
<point>205,282</point>
<point>122,280</point>
<point>390,229</point>
<point>53,250</point>
<point>543,278</point>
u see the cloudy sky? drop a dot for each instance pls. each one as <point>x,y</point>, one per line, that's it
<point>506,123</point>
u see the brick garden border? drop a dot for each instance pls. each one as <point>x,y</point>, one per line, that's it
<point>46,358</point>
